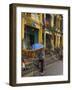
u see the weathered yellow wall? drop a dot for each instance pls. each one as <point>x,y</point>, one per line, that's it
<point>40,36</point>
<point>22,28</point>
<point>29,23</point>
<point>40,30</point>
<point>57,41</point>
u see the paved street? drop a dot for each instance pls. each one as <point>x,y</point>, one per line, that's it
<point>55,68</point>
<point>52,66</point>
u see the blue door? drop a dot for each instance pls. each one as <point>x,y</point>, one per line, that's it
<point>31,34</point>
<point>35,36</point>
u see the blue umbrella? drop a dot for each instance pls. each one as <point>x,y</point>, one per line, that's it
<point>37,46</point>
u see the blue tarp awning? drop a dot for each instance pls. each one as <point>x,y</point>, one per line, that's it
<point>37,46</point>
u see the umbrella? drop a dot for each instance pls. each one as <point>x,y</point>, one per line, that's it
<point>37,46</point>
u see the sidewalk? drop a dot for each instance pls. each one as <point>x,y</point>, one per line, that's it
<point>55,68</point>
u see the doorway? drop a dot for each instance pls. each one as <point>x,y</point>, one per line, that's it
<point>48,41</point>
<point>30,36</point>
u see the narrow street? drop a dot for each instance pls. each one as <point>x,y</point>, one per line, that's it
<point>52,66</point>
<point>55,68</point>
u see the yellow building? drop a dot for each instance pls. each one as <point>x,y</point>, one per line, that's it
<point>41,28</point>
<point>31,29</point>
<point>53,35</point>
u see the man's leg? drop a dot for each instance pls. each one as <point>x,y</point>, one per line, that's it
<point>42,65</point>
